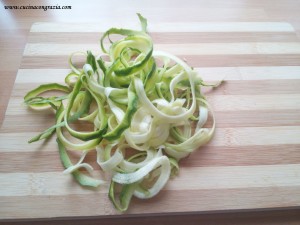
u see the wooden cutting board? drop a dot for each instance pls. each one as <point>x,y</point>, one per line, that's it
<point>253,161</point>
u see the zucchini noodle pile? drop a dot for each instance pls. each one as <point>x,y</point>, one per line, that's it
<point>145,108</point>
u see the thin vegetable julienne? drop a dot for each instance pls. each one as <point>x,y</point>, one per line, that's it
<point>146,108</point>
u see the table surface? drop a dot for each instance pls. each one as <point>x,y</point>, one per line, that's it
<point>15,25</point>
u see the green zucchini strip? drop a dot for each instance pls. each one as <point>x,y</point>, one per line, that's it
<point>81,178</point>
<point>33,100</point>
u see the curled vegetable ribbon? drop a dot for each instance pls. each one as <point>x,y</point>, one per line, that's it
<point>146,109</point>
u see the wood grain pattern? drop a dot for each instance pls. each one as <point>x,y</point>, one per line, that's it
<point>167,38</point>
<point>257,48</point>
<point>61,62</point>
<point>168,27</point>
<point>255,151</point>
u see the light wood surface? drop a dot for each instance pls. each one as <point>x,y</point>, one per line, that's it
<point>251,164</point>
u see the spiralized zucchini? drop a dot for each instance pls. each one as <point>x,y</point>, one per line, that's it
<point>146,109</point>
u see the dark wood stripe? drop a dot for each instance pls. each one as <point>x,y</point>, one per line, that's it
<point>219,199</point>
<point>255,87</point>
<point>243,156</point>
<point>61,62</point>
<point>229,87</point>
<point>48,62</point>
<point>261,118</point>
<point>222,37</point>
<point>255,118</point>
<point>44,161</point>
<point>225,119</point>
<point>37,123</point>
<point>43,206</point>
<point>168,37</point>
<point>278,216</point>
<point>41,161</point>
<point>34,123</point>
<point>98,204</point>
<point>30,162</point>
<point>242,60</point>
